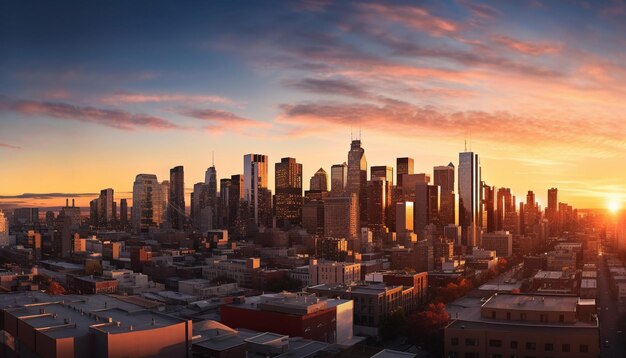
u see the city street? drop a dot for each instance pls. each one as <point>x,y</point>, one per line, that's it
<point>608,315</point>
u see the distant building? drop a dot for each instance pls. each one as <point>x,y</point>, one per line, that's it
<point>176,203</point>
<point>357,177</point>
<point>4,230</point>
<point>500,241</point>
<point>338,177</point>
<point>332,272</point>
<point>255,188</point>
<point>403,166</point>
<point>469,198</point>
<point>444,178</point>
<point>288,199</point>
<point>341,216</point>
<point>149,203</point>
<point>319,181</point>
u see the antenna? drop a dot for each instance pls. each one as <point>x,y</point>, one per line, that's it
<point>466,144</point>
<point>470,140</point>
<point>213,158</point>
<point>351,136</point>
<point>359,133</point>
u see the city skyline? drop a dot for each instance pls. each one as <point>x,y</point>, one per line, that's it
<point>541,104</point>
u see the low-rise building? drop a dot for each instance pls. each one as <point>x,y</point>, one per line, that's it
<point>332,272</point>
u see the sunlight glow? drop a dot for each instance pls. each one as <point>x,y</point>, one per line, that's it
<point>613,205</point>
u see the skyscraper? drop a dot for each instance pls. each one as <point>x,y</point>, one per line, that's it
<point>444,178</point>
<point>4,230</point>
<point>288,183</point>
<point>106,214</point>
<point>341,216</point>
<point>382,171</point>
<point>489,207</point>
<point>176,203</point>
<point>210,180</point>
<point>238,209</point>
<point>552,211</point>
<point>403,166</point>
<point>148,202</point>
<point>223,203</point>
<point>469,198</point>
<point>255,168</point>
<point>319,181</point>
<point>357,177</point>
<point>427,202</point>
<point>123,212</point>
<point>377,203</point>
<point>338,177</point>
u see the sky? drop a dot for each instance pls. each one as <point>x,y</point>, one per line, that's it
<point>94,93</point>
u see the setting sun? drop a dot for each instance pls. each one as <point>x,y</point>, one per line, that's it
<point>613,206</point>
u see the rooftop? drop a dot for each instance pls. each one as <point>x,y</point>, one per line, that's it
<point>533,302</point>
<point>388,353</point>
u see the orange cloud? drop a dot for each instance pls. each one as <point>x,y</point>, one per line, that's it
<point>413,17</point>
<point>220,120</point>
<point>129,97</point>
<point>9,146</point>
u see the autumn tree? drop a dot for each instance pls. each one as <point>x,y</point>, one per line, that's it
<point>426,327</point>
<point>55,289</point>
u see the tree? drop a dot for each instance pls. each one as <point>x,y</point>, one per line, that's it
<point>426,327</point>
<point>394,325</point>
<point>55,289</point>
<point>503,264</point>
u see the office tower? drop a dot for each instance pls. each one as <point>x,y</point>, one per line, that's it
<point>210,179</point>
<point>403,166</point>
<point>410,182</point>
<point>382,171</point>
<point>4,230</point>
<point>201,211</point>
<point>238,210</point>
<point>378,203</point>
<point>427,201</point>
<point>69,222</point>
<point>149,203</point>
<point>469,198</point>
<point>313,217</point>
<point>223,203</point>
<point>176,202</point>
<point>504,204</point>
<point>288,200</point>
<point>552,211</point>
<point>404,217</point>
<point>489,207</point>
<point>357,177</point>
<point>123,212</point>
<point>319,181</point>
<point>341,216</point>
<point>444,178</point>
<point>255,169</point>
<point>94,208</point>
<point>338,177</point>
<point>531,214</point>
<point>106,215</point>
<point>26,216</point>
<point>50,217</point>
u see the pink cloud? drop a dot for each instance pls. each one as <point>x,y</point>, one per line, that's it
<point>9,146</point>
<point>220,120</point>
<point>117,119</point>
<point>413,17</point>
<point>129,97</point>
<point>525,47</point>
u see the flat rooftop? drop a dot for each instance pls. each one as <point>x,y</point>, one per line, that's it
<point>550,275</point>
<point>388,353</point>
<point>533,302</point>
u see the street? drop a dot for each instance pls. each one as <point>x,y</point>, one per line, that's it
<point>608,315</point>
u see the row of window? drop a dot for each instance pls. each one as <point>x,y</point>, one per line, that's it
<point>531,346</point>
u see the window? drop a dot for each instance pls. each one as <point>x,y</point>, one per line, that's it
<point>543,317</point>
<point>493,314</point>
<point>584,348</point>
<point>513,344</point>
<point>495,343</point>
<point>562,318</point>
<point>522,316</point>
<point>471,342</point>
<point>508,316</point>
<point>454,341</point>
<point>531,346</point>
<point>565,348</point>
<point>549,347</point>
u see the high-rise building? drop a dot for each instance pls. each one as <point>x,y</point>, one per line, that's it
<point>409,184</point>
<point>25,216</point>
<point>238,210</point>
<point>338,177</point>
<point>255,179</point>
<point>427,202</point>
<point>552,211</point>
<point>149,202</point>
<point>357,177</point>
<point>469,198</point>
<point>531,214</point>
<point>489,207</point>
<point>201,210</point>
<point>106,214</point>
<point>69,222</point>
<point>382,171</point>
<point>4,230</point>
<point>403,166</point>
<point>444,178</point>
<point>210,180</point>
<point>288,200</point>
<point>404,217</point>
<point>223,203</point>
<point>176,203</point>
<point>378,203</point>
<point>123,212</point>
<point>341,216</point>
<point>319,181</point>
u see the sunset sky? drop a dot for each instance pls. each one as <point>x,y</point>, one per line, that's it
<point>93,93</point>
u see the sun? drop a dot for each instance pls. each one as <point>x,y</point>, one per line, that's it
<point>613,206</point>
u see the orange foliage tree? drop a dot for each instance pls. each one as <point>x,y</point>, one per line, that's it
<point>55,289</point>
<point>426,327</point>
